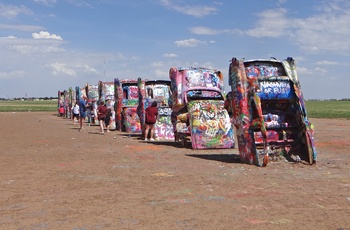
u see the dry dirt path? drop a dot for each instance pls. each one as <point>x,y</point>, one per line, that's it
<point>54,177</point>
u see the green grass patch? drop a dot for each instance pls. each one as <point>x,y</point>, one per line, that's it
<point>28,106</point>
<point>328,109</point>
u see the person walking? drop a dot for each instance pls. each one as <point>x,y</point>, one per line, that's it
<point>75,111</point>
<point>101,116</point>
<point>82,111</point>
<point>151,118</point>
<point>108,118</point>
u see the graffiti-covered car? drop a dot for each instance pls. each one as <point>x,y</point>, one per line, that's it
<point>106,93</point>
<point>126,101</point>
<point>93,93</point>
<point>269,112</point>
<point>159,91</point>
<point>198,108</point>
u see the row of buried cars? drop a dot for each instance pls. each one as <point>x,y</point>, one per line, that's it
<point>265,109</point>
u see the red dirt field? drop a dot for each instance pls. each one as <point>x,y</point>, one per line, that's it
<point>54,177</point>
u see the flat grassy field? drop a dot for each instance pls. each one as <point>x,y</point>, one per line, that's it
<point>28,106</point>
<point>315,109</point>
<point>328,109</point>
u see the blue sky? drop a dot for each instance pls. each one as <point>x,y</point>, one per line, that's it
<point>51,45</point>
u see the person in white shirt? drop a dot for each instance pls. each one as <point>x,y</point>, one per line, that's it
<point>75,110</point>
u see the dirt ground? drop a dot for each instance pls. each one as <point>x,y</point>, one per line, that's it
<point>54,177</point>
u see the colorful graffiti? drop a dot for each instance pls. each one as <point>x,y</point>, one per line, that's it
<point>80,92</point>
<point>92,92</point>
<point>199,108</point>
<point>60,102</point>
<point>156,90</point>
<point>106,93</point>
<point>163,127</point>
<point>210,124</point>
<point>67,104</point>
<point>186,79</point>
<point>269,112</point>
<point>126,102</point>
<point>72,100</point>
<point>131,120</point>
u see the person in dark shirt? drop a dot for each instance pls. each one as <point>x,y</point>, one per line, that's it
<point>151,118</point>
<point>101,115</point>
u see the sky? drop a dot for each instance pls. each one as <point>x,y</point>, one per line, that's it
<point>52,45</point>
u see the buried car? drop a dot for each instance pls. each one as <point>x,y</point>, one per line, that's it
<point>198,108</point>
<point>159,91</point>
<point>269,112</point>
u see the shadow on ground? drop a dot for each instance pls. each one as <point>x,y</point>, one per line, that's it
<point>226,158</point>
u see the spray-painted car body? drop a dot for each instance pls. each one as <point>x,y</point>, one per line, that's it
<point>80,92</point>
<point>156,90</point>
<point>269,112</point>
<point>72,100</point>
<point>60,101</point>
<point>126,94</point>
<point>66,104</point>
<point>92,92</point>
<point>198,108</point>
<point>106,92</point>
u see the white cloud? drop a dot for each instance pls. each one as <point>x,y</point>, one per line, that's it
<point>79,3</point>
<point>8,37</point>
<point>204,31</point>
<point>30,46</point>
<point>304,71</point>
<point>189,43</point>
<point>35,50</point>
<point>120,56</point>
<point>272,23</point>
<point>61,68</point>
<point>11,75</point>
<point>326,63</point>
<point>160,73</point>
<point>20,27</point>
<point>333,6</point>
<point>169,55</point>
<point>11,11</point>
<point>158,64</point>
<point>46,2</point>
<point>88,69</point>
<point>320,70</point>
<point>73,69</point>
<point>45,35</point>
<point>201,30</point>
<point>323,32</point>
<point>195,11</point>
<point>280,2</point>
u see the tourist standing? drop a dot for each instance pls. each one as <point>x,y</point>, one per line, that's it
<point>75,111</point>
<point>151,118</point>
<point>82,111</point>
<point>101,115</point>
